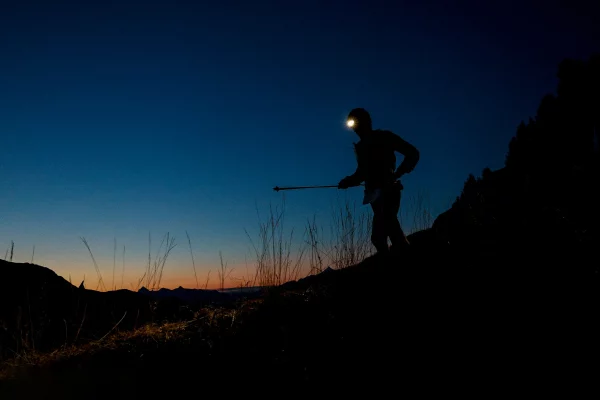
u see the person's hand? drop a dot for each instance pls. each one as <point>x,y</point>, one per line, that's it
<point>344,183</point>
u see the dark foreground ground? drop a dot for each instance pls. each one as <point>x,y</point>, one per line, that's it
<point>428,322</point>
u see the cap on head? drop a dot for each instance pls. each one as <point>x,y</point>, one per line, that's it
<point>359,118</point>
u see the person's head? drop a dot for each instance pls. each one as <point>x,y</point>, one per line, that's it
<point>360,121</point>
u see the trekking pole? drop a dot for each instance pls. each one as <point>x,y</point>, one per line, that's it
<point>277,188</point>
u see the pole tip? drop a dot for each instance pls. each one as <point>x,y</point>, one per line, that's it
<point>276,188</point>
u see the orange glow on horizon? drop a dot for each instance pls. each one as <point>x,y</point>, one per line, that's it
<point>78,267</point>
<point>174,276</point>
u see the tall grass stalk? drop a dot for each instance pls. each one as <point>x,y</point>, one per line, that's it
<point>348,242</point>
<point>114,263</point>
<point>416,210</point>
<point>350,236</point>
<point>100,284</point>
<point>154,270</point>
<point>274,260</point>
<point>207,280</point>
<point>192,254</point>
<point>223,273</point>
<point>123,269</point>
<point>314,240</point>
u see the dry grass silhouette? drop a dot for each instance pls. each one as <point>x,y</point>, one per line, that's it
<point>10,249</point>
<point>153,274</point>
<point>342,241</point>
<point>98,273</point>
<point>223,272</point>
<point>154,270</point>
<point>192,255</point>
<point>275,261</point>
<point>416,211</point>
<point>346,243</point>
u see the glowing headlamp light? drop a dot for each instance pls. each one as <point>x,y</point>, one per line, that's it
<point>350,123</point>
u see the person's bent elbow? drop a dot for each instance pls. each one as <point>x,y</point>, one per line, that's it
<point>415,159</point>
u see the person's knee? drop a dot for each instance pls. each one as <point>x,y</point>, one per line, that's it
<point>391,222</point>
<point>379,239</point>
<point>378,235</point>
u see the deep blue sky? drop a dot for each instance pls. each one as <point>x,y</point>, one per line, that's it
<point>120,118</point>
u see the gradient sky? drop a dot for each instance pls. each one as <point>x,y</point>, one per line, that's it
<point>119,118</point>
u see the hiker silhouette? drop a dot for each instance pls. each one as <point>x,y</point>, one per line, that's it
<point>376,159</point>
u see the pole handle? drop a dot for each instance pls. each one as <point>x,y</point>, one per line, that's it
<point>277,188</point>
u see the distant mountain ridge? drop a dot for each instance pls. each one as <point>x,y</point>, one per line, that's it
<point>195,296</point>
<point>40,309</point>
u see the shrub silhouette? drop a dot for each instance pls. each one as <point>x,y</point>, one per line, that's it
<point>545,197</point>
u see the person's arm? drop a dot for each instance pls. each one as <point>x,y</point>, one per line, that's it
<point>352,180</point>
<point>410,153</point>
<point>356,178</point>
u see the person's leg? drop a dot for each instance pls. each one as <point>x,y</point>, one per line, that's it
<point>393,228</point>
<point>379,234</point>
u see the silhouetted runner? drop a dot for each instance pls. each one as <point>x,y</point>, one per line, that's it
<point>377,168</point>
